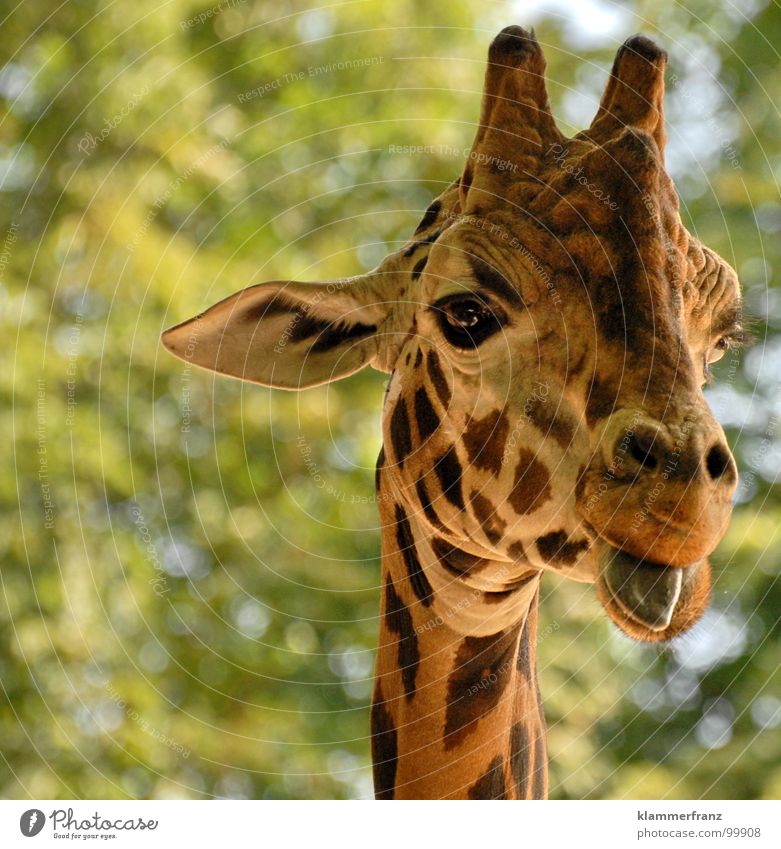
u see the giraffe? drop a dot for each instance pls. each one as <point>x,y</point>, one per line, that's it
<point>548,330</point>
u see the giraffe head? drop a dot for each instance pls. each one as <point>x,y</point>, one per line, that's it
<point>548,331</point>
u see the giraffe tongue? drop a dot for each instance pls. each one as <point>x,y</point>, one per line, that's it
<point>648,592</point>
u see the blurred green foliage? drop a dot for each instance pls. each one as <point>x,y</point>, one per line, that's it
<point>190,565</point>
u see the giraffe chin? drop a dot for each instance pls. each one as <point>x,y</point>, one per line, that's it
<point>650,601</point>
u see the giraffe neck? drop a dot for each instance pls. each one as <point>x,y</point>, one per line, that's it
<point>456,710</point>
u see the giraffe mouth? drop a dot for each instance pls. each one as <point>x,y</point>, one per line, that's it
<point>646,592</point>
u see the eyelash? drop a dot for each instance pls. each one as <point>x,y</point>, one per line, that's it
<point>732,342</point>
<point>492,319</point>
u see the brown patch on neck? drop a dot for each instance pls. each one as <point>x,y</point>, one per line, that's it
<point>485,512</point>
<point>438,379</point>
<point>481,671</point>
<point>492,784</point>
<point>455,560</point>
<point>384,738</point>
<point>399,622</point>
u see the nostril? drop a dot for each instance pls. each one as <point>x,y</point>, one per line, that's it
<point>641,449</point>
<point>718,461</point>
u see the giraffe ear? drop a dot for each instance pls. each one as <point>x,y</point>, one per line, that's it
<point>284,334</point>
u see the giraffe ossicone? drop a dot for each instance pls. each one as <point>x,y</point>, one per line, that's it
<point>548,330</point>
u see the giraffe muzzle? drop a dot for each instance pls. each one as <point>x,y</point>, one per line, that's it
<point>659,492</point>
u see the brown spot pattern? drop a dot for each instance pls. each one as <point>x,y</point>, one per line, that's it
<point>484,440</point>
<point>437,377</point>
<point>429,216</point>
<point>384,748</point>
<point>448,471</point>
<point>401,439</point>
<point>493,525</point>
<point>425,502</point>
<point>455,560</point>
<point>418,267</point>
<point>516,551</point>
<point>532,486</point>
<point>406,543</point>
<point>399,622</point>
<point>378,469</point>
<point>482,671</point>
<point>540,764</point>
<point>541,414</point>
<point>556,548</point>
<point>524,661</point>
<point>425,416</point>
<point>521,759</point>
<point>491,784</point>
<point>601,400</point>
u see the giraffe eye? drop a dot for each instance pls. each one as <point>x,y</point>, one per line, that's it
<point>718,350</point>
<point>467,321</point>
